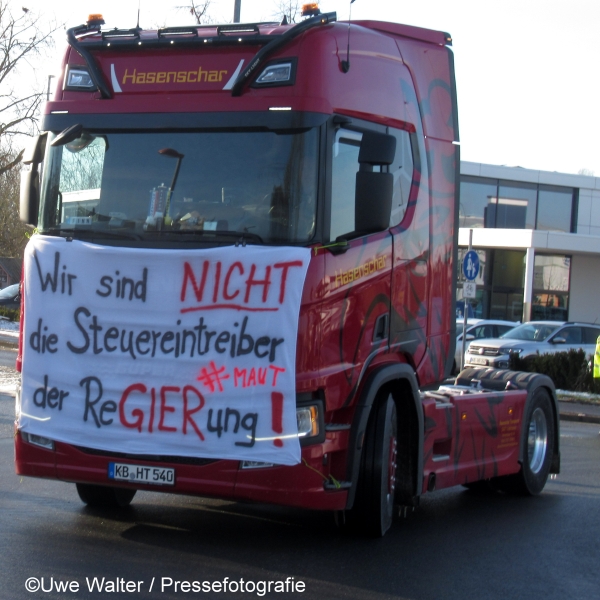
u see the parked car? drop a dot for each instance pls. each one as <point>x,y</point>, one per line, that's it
<point>535,337</point>
<point>478,329</point>
<point>11,296</point>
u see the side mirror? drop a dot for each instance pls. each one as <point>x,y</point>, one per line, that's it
<point>68,135</point>
<point>30,179</point>
<point>559,340</point>
<point>30,195</point>
<point>374,190</point>
<point>377,149</point>
<point>36,150</point>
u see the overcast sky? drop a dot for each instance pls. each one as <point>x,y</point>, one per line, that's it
<point>528,71</point>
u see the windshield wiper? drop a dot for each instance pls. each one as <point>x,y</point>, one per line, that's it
<point>242,237</point>
<point>76,233</point>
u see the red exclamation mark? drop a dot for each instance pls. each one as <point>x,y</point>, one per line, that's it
<point>277,416</point>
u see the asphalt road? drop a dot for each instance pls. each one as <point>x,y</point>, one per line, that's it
<point>7,357</point>
<point>457,545</point>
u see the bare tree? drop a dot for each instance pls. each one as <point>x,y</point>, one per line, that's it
<point>198,10</point>
<point>589,172</point>
<point>82,170</point>
<point>22,39</point>
<point>288,9</point>
<point>13,233</point>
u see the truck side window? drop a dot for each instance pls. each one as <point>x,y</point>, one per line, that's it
<point>81,177</point>
<point>402,169</point>
<point>343,182</point>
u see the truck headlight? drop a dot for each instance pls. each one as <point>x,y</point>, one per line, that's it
<point>37,440</point>
<point>311,422</point>
<point>307,420</point>
<point>79,79</point>
<point>276,73</point>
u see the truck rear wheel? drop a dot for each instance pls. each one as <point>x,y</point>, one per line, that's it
<point>373,509</point>
<point>538,448</point>
<point>539,444</point>
<point>100,496</point>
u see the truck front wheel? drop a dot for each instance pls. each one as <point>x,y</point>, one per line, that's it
<point>373,509</point>
<point>100,496</point>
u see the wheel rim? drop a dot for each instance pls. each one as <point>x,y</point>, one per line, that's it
<point>537,440</point>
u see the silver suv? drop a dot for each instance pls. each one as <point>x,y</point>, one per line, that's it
<point>535,337</point>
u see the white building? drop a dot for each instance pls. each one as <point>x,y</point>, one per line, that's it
<point>537,234</point>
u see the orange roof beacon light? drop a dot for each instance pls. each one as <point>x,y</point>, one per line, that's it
<point>310,10</point>
<point>95,20</point>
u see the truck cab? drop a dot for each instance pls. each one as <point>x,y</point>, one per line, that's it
<point>337,137</point>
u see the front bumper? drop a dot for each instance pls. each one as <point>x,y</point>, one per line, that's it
<point>311,484</point>
<point>497,362</point>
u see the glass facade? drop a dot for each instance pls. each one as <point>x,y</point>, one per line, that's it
<point>496,203</point>
<point>500,284</point>
<point>503,204</point>
<point>515,206</point>
<point>475,195</point>
<point>551,288</point>
<point>556,209</point>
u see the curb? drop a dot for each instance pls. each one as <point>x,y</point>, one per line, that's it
<point>10,341</point>
<point>580,417</point>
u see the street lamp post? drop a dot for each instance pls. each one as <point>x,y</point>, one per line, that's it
<point>173,154</point>
<point>50,78</point>
<point>236,10</point>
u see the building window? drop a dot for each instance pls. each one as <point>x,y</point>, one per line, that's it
<point>500,284</point>
<point>476,193</point>
<point>516,205</point>
<point>555,209</point>
<point>503,204</point>
<point>551,288</point>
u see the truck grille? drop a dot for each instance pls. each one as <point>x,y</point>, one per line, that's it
<point>181,460</point>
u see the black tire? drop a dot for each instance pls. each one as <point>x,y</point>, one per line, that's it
<point>373,509</point>
<point>100,496</point>
<point>537,442</point>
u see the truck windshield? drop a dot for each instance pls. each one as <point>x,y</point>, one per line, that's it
<point>147,184</point>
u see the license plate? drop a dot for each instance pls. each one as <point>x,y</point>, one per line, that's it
<point>477,360</point>
<point>141,474</point>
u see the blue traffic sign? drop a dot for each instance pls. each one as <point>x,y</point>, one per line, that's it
<point>471,265</point>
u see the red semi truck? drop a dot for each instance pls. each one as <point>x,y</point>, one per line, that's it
<point>167,154</point>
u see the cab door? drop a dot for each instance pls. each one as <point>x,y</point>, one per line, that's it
<point>358,266</point>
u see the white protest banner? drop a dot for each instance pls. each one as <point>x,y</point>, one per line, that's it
<point>171,352</point>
